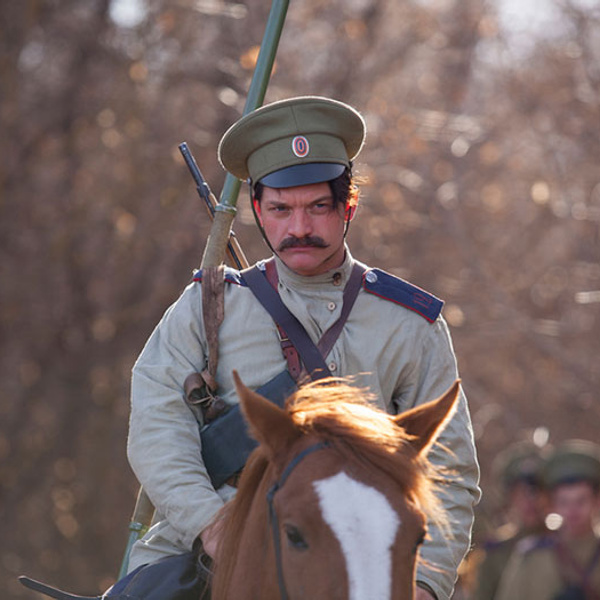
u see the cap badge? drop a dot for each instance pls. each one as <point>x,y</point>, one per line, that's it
<point>300,146</point>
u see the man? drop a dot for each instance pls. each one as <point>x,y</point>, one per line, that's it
<point>297,155</point>
<point>564,565</point>
<point>519,470</point>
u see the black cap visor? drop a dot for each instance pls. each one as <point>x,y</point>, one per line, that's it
<point>303,174</point>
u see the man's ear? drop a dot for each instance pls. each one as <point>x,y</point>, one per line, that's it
<point>350,212</point>
<point>256,206</point>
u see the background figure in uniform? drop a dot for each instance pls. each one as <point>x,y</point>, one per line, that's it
<point>519,469</point>
<point>297,155</point>
<point>563,564</point>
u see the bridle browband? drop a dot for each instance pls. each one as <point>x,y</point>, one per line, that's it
<point>273,520</point>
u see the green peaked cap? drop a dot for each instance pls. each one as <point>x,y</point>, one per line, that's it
<point>521,462</point>
<point>573,460</point>
<point>284,136</point>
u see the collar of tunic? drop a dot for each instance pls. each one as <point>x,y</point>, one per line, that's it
<point>334,277</point>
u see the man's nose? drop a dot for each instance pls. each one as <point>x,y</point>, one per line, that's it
<point>300,224</point>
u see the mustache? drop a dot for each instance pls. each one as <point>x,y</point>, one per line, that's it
<point>304,242</point>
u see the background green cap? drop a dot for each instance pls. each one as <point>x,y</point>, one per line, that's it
<point>572,461</point>
<point>520,462</point>
<point>286,136</point>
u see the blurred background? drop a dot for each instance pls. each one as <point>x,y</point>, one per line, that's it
<point>482,186</point>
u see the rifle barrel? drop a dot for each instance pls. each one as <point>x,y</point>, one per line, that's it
<point>234,250</point>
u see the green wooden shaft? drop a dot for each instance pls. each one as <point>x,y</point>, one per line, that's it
<point>214,253</point>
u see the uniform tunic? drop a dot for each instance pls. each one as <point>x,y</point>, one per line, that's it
<point>496,555</point>
<point>402,357</point>
<point>536,571</point>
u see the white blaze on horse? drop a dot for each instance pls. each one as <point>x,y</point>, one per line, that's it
<point>334,502</point>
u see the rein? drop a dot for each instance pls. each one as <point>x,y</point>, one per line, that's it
<point>274,520</point>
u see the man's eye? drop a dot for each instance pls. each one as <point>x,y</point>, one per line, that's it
<point>321,208</point>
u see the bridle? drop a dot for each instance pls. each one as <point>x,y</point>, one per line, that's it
<point>273,519</point>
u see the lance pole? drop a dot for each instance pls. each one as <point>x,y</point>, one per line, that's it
<point>224,213</point>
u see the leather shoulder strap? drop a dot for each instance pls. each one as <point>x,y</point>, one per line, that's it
<point>269,298</point>
<point>351,290</point>
<point>290,353</point>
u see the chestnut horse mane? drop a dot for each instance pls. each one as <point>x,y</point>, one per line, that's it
<point>349,420</point>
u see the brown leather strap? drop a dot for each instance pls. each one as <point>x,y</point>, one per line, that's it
<point>269,297</point>
<point>351,290</point>
<point>289,351</point>
<point>329,338</point>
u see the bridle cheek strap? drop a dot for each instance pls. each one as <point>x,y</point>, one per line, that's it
<point>274,520</point>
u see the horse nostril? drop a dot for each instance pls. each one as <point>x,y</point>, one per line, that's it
<point>295,538</point>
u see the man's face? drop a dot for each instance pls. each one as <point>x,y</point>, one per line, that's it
<point>304,227</point>
<point>577,503</point>
<point>526,505</point>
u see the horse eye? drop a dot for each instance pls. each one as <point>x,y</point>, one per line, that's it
<point>295,539</point>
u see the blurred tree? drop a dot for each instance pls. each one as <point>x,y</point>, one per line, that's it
<point>481,186</point>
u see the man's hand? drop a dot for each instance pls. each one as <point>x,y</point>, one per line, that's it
<point>422,594</point>
<point>211,537</point>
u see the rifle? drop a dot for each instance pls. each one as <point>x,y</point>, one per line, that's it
<point>224,212</point>
<point>234,250</point>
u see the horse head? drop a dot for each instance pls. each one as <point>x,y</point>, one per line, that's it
<point>335,500</point>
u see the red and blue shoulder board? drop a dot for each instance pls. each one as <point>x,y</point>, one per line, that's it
<point>392,288</point>
<point>231,276</point>
<point>535,542</point>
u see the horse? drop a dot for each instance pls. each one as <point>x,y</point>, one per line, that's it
<point>334,501</point>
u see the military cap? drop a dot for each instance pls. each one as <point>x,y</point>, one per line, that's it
<point>298,141</point>
<point>520,462</point>
<point>572,461</point>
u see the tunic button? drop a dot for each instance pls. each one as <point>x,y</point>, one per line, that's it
<point>337,279</point>
<point>332,366</point>
<point>331,306</point>
<point>371,277</point>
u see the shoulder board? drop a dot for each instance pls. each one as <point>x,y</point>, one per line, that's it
<point>534,542</point>
<point>231,276</point>
<point>390,287</point>
<point>493,545</point>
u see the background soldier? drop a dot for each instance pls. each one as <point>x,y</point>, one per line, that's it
<point>298,156</point>
<point>563,565</point>
<point>519,469</point>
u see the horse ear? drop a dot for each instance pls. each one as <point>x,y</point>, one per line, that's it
<point>425,422</point>
<point>271,426</point>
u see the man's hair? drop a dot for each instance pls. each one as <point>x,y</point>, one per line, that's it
<point>343,189</point>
